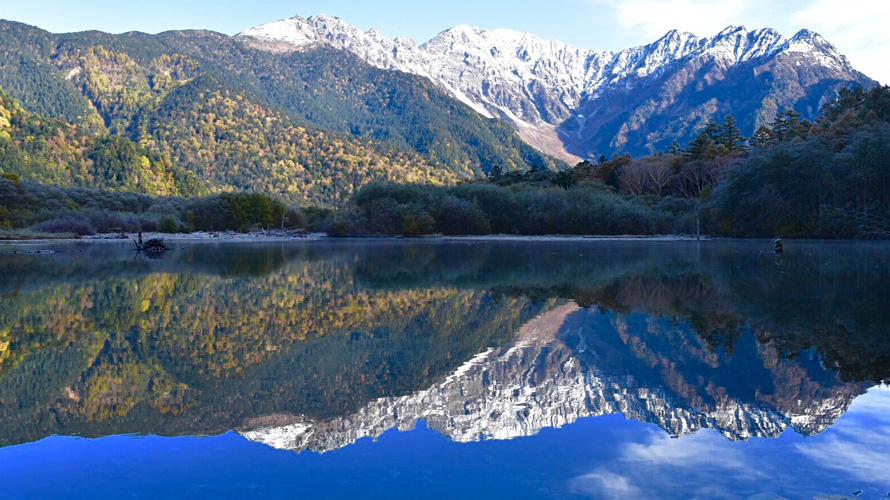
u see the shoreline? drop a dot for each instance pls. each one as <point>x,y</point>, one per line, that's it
<point>232,237</point>
<point>569,237</point>
<point>171,237</point>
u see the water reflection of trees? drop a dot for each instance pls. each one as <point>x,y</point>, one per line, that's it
<point>214,336</point>
<point>189,345</point>
<point>751,387</point>
<point>831,296</point>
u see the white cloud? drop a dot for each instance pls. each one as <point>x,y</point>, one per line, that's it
<point>605,484</point>
<point>861,454</point>
<point>859,444</point>
<point>653,18</point>
<point>701,465</point>
<point>851,454</point>
<point>695,450</point>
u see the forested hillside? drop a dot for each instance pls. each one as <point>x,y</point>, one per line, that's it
<point>52,151</point>
<point>794,178</point>
<point>310,127</point>
<point>234,143</point>
<point>191,113</point>
<point>830,178</point>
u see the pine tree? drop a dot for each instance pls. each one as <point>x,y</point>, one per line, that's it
<point>797,128</point>
<point>674,148</point>
<point>730,135</point>
<point>712,130</point>
<point>496,172</point>
<point>788,126</point>
<point>699,148</point>
<point>763,136</point>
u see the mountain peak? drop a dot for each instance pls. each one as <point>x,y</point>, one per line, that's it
<point>812,44</point>
<point>765,33</point>
<point>540,84</point>
<point>460,31</point>
<point>323,17</point>
<point>674,38</point>
<point>675,34</point>
<point>295,31</point>
<point>806,34</point>
<point>814,39</point>
<point>731,30</point>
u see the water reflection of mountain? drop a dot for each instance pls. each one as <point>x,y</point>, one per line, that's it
<point>831,296</point>
<point>216,337</point>
<point>571,363</point>
<point>174,348</point>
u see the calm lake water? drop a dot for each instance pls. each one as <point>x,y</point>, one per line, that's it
<point>446,370</point>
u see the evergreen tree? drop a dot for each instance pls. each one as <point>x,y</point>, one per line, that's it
<point>788,126</point>
<point>730,136</point>
<point>712,130</point>
<point>763,137</point>
<point>847,99</point>
<point>496,172</point>
<point>700,147</point>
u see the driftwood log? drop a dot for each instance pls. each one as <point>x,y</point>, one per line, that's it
<point>154,246</point>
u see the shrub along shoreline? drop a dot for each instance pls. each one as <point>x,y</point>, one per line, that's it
<point>40,209</point>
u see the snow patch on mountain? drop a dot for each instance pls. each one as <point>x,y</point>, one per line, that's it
<point>295,31</point>
<point>539,382</point>
<point>535,83</point>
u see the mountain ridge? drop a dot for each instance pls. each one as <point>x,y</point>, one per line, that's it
<point>552,375</point>
<point>546,87</point>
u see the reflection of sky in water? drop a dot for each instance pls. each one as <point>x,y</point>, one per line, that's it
<point>852,455</point>
<point>606,457</point>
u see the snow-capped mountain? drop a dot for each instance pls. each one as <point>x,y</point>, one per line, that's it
<point>552,90</point>
<point>545,379</point>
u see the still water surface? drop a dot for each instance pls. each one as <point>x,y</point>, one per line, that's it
<point>446,370</point>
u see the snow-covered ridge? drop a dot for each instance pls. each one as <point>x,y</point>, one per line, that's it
<point>535,83</point>
<point>539,382</point>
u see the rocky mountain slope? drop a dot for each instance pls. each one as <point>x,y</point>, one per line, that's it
<point>575,102</point>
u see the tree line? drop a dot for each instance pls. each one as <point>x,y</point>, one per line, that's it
<point>829,178</point>
<point>43,208</point>
<point>794,178</point>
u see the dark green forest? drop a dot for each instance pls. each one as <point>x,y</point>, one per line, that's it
<point>41,208</point>
<point>824,179</point>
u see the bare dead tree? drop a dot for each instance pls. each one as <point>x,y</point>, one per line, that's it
<point>658,172</point>
<point>632,179</point>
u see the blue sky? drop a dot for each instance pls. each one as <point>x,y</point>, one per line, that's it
<point>856,27</point>
<point>600,457</point>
